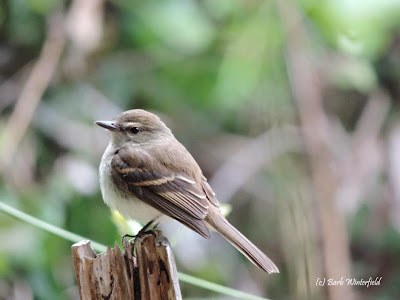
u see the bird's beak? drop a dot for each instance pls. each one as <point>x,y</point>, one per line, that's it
<point>108,125</point>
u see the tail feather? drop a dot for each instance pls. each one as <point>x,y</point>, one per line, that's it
<point>240,242</point>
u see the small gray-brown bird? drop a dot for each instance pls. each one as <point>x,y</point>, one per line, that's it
<point>146,174</point>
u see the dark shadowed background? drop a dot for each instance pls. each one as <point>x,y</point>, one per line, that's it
<point>291,108</point>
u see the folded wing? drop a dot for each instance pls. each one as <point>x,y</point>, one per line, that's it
<point>175,195</point>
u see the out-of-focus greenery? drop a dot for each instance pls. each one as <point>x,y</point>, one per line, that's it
<point>216,73</point>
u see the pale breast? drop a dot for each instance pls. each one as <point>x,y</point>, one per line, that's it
<point>129,206</point>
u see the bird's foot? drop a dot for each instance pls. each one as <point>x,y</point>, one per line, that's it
<point>145,230</point>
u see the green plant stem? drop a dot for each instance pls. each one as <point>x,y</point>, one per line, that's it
<point>101,248</point>
<point>217,287</point>
<point>48,227</point>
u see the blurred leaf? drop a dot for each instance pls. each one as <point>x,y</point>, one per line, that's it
<point>43,6</point>
<point>179,24</point>
<point>28,32</point>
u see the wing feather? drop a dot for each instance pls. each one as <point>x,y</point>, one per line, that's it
<point>174,194</point>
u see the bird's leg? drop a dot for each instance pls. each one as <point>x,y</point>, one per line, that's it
<point>155,226</point>
<point>128,235</point>
<point>144,230</point>
<point>145,227</point>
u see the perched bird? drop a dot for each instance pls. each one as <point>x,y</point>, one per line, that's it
<point>146,174</point>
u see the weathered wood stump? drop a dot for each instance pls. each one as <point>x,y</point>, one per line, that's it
<point>146,270</point>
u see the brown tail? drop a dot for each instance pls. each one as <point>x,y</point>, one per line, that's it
<point>239,241</point>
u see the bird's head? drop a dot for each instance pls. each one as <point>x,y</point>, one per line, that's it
<point>136,126</point>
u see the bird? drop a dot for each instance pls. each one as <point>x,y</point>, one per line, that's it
<point>147,174</point>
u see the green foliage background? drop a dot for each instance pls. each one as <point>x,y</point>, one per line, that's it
<point>217,73</point>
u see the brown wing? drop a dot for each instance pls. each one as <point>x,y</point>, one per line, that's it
<point>174,194</point>
<point>208,190</point>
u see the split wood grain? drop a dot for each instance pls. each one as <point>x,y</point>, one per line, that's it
<point>145,270</point>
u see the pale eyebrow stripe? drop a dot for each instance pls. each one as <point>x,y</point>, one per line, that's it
<point>133,124</point>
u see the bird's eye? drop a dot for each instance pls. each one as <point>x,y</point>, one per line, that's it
<point>135,130</point>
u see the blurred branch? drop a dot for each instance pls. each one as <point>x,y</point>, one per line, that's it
<point>394,174</point>
<point>11,87</point>
<point>247,161</point>
<point>61,125</point>
<point>299,242</point>
<point>362,163</point>
<point>315,130</point>
<point>17,289</point>
<point>63,129</point>
<point>36,84</point>
<point>84,24</point>
<point>372,118</point>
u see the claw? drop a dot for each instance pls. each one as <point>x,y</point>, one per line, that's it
<point>144,230</point>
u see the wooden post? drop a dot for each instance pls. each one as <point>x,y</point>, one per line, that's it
<point>149,274</point>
